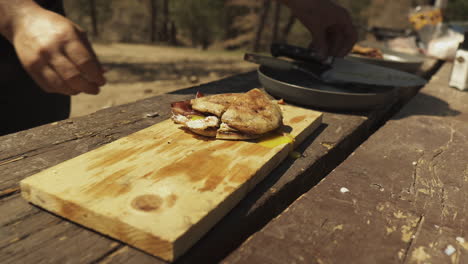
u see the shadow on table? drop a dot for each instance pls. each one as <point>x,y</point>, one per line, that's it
<point>170,71</point>
<point>238,83</point>
<point>424,104</point>
<point>239,223</point>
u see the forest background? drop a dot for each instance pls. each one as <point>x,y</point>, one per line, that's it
<point>151,47</point>
<point>227,24</point>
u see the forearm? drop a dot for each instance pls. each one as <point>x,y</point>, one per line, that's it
<point>291,3</point>
<point>331,25</point>
<point>284,2</point>
<point>10,13</point>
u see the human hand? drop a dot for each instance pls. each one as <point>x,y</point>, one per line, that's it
<point>56,53</point>
<point>331,26</point>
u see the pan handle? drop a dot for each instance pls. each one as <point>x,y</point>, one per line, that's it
<point>269,62</point>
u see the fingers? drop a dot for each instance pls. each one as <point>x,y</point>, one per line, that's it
<point>340,40</point>
<point>330,25</point>
<point>335,40</point>
<point>320,45</point>
<point>55,73</point>
<point>351,37</point>
<point>57,54</point>
<point>50,81</point>
<point>85,61</point>
<point>349,33</point>
<point>84,38</point>
<point>71,75</point>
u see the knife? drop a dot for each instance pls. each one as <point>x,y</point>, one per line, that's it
<point>343,70</point>
<point>285,65</point>
<point>346,70</point>
<point>299,54</point>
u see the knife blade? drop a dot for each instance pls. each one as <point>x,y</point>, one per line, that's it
<point>343,70</point>
<point>346,70</point>
<point>284,65</point>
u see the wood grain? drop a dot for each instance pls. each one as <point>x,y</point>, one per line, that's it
<point>161,189</point>
<point>49,145</point>
<point>406,200</point>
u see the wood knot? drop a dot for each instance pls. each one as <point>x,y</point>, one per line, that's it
<point>297,119</point>
<point>147,202</point>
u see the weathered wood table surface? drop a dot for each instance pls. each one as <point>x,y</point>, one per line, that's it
<point>401,197</point>
<point>31,235</point>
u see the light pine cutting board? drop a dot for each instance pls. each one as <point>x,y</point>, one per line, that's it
<point>161,189</point>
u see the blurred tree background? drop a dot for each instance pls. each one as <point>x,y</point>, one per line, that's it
<point>457,10</point>
<point>226,24</point>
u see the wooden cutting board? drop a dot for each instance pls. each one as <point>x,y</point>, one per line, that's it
<point>161,189</point>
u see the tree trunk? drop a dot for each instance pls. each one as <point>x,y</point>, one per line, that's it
<point>173,34</point>
<point>276,21</point>
<point>261,24</point>
<point>153,21</point>
<point>287,28</point>
<point>165,23</point>
<point>92,6</point>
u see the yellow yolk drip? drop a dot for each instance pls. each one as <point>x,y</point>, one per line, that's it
<point>295,155</point>
<point>274,140</point>
<point>196,117</point>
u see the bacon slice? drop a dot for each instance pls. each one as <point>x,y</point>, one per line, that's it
<point>199,94</point>
<point>184,108</point>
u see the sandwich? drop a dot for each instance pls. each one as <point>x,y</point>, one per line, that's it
<point>232,116</point>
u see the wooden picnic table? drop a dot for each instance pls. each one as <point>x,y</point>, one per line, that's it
<point>29,234</point>
<point>401,197</point>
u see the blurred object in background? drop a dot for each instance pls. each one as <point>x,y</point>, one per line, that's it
<point>390,14</point>
<point>423,16</point>
<point>399,40</point>
<point>459,76</point>
<point>459,26</point>
<point>444,43</point>
<point>424,20</point>
<point>441,4</point>
<point>390,58</point>
<point>436,38</point>
<point>388,26</point>
<point>404,44</point>
<point>456,10</point>
<point>384,33</point>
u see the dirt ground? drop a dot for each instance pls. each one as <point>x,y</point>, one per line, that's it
<point>137,71</point>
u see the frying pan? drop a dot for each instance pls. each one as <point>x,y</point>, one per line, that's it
<point>297,87</point>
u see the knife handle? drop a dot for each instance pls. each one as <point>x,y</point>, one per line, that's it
<point>299,54</point>
<point>294,52</point>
